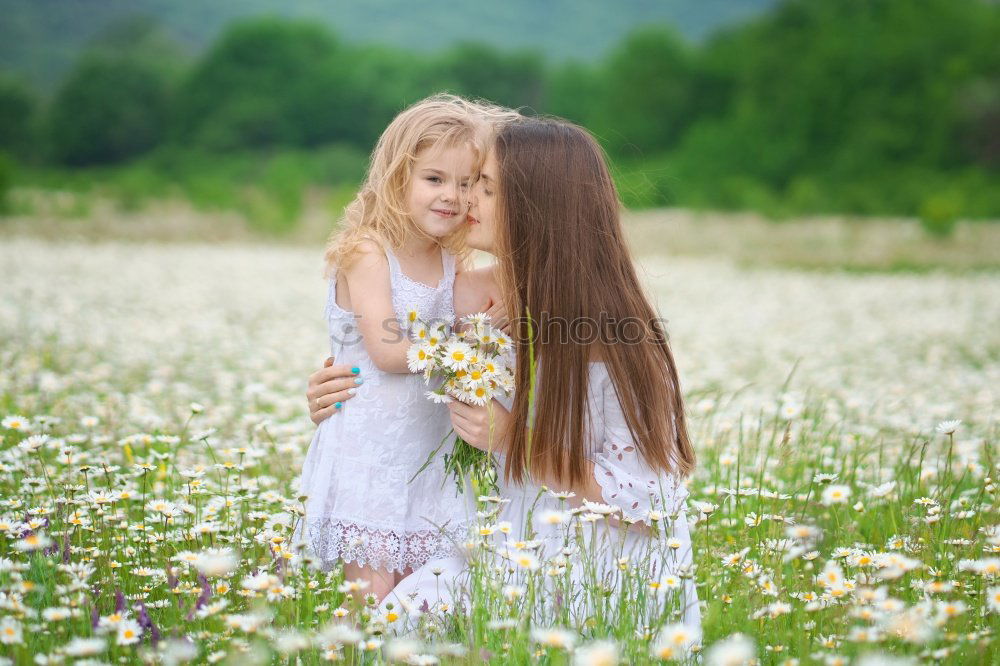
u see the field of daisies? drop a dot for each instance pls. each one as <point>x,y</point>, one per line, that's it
<point>153,426</point>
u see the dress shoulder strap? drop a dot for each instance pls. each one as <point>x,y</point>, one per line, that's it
<point>449,260</point>
<point>394,268</point>
<point>331,294</point>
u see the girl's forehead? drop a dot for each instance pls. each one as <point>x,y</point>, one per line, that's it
<point>446,152</point>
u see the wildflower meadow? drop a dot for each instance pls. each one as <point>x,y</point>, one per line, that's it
<point>844,509</point>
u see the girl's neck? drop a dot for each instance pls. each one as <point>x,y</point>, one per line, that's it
<point>416,248</point>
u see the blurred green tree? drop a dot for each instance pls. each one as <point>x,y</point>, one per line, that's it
<point>271,82</point>
<point>107,111</point>
<point>6,181</point>
<point>649,87</point>
<point>17,114</point>
<point>576,91</point>
<point>476,70</point>
<point>115,104</point>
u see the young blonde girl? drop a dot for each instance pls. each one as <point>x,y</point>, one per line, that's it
<point>396,253</point>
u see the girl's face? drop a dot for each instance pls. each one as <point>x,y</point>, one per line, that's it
<point>482,209</point>
<point>439,188</point>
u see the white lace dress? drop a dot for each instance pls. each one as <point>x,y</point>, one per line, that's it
<point>626,482</point>
<point>362,506</point>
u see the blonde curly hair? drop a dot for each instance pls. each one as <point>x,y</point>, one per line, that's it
<point>379,211</point>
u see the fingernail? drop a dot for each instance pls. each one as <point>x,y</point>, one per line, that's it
<point>352,391</point>
<point>338,404</point>
<point>359,381</point>
<point>355,369</point>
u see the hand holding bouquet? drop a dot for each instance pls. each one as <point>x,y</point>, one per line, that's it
<point>469,366</point>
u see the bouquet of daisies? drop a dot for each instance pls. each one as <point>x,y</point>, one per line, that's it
<point>466,365</point>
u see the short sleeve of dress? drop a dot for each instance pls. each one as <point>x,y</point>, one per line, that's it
<point>626,481</point>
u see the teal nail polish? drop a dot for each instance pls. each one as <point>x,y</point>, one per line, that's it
<point>359,381</point>
<point>338,405</point>
<point>355,369</point>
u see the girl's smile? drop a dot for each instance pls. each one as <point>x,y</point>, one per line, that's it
<point>438,195</point>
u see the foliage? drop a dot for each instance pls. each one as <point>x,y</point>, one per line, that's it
<point>6,180</point>
<point>17,109</point>
<point>852,106</point>
<point>107,111</point>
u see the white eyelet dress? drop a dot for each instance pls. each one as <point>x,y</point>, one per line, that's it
<point>362,506</point>
<point>627,483</point>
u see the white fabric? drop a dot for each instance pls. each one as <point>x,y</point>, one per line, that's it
<point>627,482</point>
<point>362,506</point>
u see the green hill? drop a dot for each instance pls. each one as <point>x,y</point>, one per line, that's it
<point>40,39</point>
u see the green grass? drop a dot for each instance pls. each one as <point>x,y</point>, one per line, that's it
<point>118,419</point>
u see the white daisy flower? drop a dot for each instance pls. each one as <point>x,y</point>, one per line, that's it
<point>10,631</point>
<point>948,427</point>
<point>673,641</point>
<point>836,494</point>
<point>16,422</point>
<point>129,632</point>
<point>477,320</point>
<point>993,598</point>
<point>216,562</point>
<point>598,653</point>
<point>84,647</point>
<point>554,637</point>
<point>419,331</point>
<point>601,509</point>
<point>552,517</point>
<point>456,355</point>
<point>503,342</point>
<point>736,650</point>
<point>32,542</point>
<point>419,357</point>
<point>477,395</point>
<point>439,398</point>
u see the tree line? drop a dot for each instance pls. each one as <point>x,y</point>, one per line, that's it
<point>863,106</point>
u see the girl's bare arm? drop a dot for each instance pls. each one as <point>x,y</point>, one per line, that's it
<point>370,291</point>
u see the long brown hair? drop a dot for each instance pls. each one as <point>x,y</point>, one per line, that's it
<point>563,258</point>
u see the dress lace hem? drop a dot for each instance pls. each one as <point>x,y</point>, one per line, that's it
<point>333,540</point>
